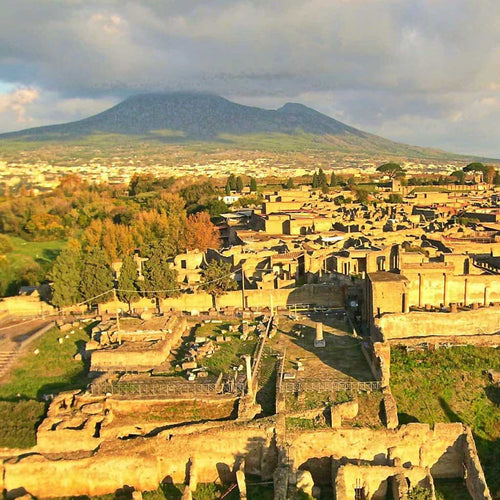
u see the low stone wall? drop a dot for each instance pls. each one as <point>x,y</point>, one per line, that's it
<point>322,295</point>
<point>427,324</point>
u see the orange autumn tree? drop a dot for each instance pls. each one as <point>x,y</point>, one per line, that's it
<point>201,234</point>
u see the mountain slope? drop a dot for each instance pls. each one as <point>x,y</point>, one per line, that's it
<point>186,116</point>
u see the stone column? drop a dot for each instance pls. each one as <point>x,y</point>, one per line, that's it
<point>248,364</point>
<point>319,341</point>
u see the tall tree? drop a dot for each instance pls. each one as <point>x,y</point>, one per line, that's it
<point>65,276</point>
<point>333,180</point>
<point>217,279</point>
<point>253,185</point>
<point>231,182</point>
<point>160,280</point>
<point>96,277</point>
<point>127,281</point>
<point>239,184</point>
<point>322,178</point>
<point>315,181</point>
<point>289,183</point>
<point>201,233</point>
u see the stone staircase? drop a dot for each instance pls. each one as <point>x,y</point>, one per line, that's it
<point>7,356</point>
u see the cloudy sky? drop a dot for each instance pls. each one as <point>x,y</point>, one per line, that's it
<point>425,72</point>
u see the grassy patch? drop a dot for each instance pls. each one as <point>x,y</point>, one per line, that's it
<point>19,422</point>
<point>51,371</point>
<point>27,263</point>
<point>229,353</point>
<point>450,385</point>
<point>306,424</point>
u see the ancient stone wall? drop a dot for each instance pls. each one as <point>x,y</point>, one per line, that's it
<point>308,294</point>
<point>144,463</point>
<point>423,324</point>
<point>439,287</point>
<point>475,480</point>
<point>374,480</point>
<point>439,449</point>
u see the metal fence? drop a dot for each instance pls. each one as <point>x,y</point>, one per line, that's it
<point>328,385</point>
<point>164,388</point>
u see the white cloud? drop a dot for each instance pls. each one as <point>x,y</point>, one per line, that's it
<point>14,104</point>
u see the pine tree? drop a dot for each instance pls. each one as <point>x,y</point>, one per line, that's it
<point>322,178</point>
<point>96,277</point>
<point>333,180</point>
<point>315,183</point>
<point>253,185</point>
<point>232,182</point>
<point>160,280</point>
<point>239,184</point>
<point>66,278</point>
<point>127,289</point>
<point>289,183</point>
<point>227,189</point>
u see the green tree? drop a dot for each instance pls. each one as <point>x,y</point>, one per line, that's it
<point>475,167</point>
<point>496,179</point>
<point>216,207</point>
<point>96,277</point>
<point>395,198</point>
<point>459,176</point>
<point>227,189</point>
<point>289,183</point>
<point>127,281</point>
<point>392,170</point>
<point>66,277</point>
<point>217,279</point>
<point>322,178</point>
<point>333,180</point>
<point>231,182</point>
<point>315,183</point>
<point>253,185</point>
<point>160,280</point>
<point>239,184</point>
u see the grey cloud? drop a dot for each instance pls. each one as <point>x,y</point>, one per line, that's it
<point>381,60</point>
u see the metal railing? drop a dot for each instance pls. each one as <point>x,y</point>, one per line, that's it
<point>335,385</point>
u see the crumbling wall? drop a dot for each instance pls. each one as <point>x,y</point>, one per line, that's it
<point>474,476</point>
<point>439,449</point>
<point>144,463</point>
<point>375,480</point>
<point>424,324</point>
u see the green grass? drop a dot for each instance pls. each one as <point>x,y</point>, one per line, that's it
<point>450,385</point>
<point>229,353</point>
<point>306,424</point>
<point>51,371</point>
<point>18,422</point>
<point>27,263</point>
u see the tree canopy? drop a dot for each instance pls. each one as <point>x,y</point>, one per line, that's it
<point>393,170</point>
<point>217,279</point>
